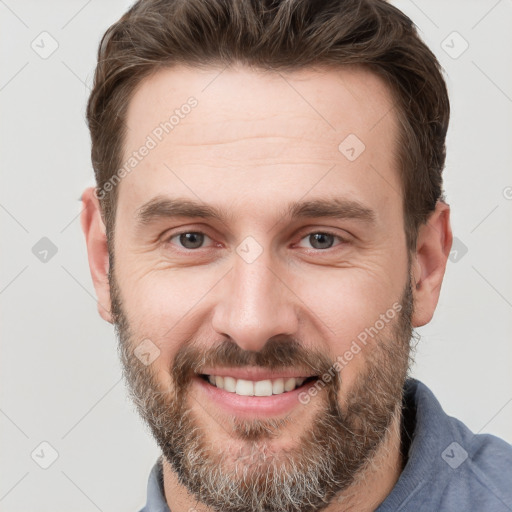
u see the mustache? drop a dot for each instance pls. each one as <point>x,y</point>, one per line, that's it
<point>279,353</point>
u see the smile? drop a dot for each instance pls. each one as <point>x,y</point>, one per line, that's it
<point>244,401</point>
<point>267,387</point>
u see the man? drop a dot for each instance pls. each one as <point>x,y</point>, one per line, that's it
<point>267,229</point>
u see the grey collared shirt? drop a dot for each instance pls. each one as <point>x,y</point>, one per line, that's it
<point>448,467</point>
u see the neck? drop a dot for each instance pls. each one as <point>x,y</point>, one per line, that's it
<point>370,488</point>
<point>376,481</point>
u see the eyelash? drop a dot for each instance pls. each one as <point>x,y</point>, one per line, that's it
<point>329,233</point>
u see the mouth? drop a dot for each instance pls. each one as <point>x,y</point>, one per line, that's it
<point>254,399</point>
<point>267,387</point>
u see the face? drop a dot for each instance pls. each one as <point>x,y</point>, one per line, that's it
<point>302,271</point>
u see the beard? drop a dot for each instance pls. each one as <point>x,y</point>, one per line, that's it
<point>337,446</point>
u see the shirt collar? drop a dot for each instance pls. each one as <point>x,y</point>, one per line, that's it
<point>156,494</point>
<point>432,433</point>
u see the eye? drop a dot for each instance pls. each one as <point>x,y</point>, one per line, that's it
<point>190,239</point>
<point>322,240</point>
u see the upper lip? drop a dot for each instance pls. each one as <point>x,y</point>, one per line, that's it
<point>255,374</point>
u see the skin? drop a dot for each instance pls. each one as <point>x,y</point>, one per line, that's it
<point>255,142</point>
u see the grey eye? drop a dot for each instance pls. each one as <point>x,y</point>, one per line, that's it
<point>191,240</point>
<point>321,240</point>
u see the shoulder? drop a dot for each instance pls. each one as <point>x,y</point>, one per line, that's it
<point>475,470</point>
<point>449,467</point>
<point>479,470</point>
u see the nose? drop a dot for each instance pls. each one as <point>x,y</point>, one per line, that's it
<point>255,304</point>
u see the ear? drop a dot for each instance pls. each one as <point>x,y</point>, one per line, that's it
<point>97,250</point>
<point>429,263</point>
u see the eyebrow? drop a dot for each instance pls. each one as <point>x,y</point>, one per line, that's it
<point>162,207</point>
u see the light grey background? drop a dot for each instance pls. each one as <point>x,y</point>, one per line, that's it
<point>60,376</point>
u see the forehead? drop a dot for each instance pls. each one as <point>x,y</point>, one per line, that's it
<point>266,135</point>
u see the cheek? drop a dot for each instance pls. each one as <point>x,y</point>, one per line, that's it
<point>351,308</point>
<point>166,307</point>
<point>347,300</point>
<point>158,299</point>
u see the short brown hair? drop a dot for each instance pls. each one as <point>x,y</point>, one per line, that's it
<point>281,35</point>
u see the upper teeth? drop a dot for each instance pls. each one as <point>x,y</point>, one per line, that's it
<point>260,388</point>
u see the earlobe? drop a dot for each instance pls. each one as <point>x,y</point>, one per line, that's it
<point>97,250</point>
<point>429,263</point>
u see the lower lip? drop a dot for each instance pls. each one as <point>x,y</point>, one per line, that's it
<point>253,405</point>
